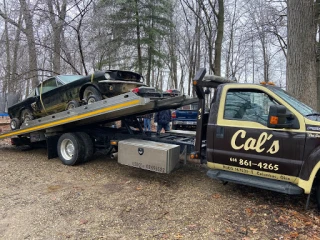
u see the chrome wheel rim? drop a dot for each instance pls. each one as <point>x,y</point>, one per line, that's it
<point>67,149</point>
<point>91,100</point>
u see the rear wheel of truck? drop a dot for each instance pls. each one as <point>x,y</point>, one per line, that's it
<point>88,145</point>
<point>91,95</point>
<point>71,149</point>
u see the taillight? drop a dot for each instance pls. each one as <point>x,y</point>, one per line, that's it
<point>135,90</point>
<point>169,91</point>
<point>173,114</point>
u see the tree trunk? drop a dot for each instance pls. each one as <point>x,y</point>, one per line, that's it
<point>33,73</point>
<point>7,85</point>
<point>138,38</point>
<point>57,27</point>
<point>301,58</point>
<point>218,42</point>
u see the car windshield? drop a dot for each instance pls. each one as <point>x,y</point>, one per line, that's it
<point>69,78</point>
<point>297,105</point>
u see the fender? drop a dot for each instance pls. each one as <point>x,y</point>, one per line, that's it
<point>83,87</point>
<point>309,170</point>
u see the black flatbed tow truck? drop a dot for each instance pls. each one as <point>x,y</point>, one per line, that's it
<point>254,134</point>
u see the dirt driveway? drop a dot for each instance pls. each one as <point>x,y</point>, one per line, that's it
<point>43,199</point>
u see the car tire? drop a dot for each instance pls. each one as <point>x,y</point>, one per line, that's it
<point>91,95</point>
<point>15,124</point>
<point>88,145</point>
<point>71,149</point>
<point>72,104</point>
<point>26,115</point>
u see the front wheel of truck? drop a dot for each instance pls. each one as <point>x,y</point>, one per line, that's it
<point>318,194</point>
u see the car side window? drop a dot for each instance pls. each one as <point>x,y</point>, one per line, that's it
<point>248,105</point>
<point>48,85</point>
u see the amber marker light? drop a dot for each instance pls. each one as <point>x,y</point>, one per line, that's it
<point>194,156</point>
<point>274,120</point>
<point>195,82</point>
<point>114,143</point>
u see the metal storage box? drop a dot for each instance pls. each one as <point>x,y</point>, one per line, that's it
<point>149,155</point>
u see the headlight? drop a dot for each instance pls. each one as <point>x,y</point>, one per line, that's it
<point>107,76</point>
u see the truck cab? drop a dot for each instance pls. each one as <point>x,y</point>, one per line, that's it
<point>259,135</point>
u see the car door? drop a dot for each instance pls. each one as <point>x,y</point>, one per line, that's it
<point>50,97</point>
<point>243,142</point>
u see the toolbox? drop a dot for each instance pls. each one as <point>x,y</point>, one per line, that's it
<point>149,155</point>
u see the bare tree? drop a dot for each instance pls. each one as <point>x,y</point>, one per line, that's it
<point>301,58</point>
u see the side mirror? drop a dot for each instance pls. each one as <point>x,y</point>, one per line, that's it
<point>278,117</point>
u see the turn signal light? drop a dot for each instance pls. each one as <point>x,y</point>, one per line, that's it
<point>274,120</point>
<point>173,114</point>
<point>195,82</point>
<point>194,156</point>
<point>114,143</point>
<point>268,83</point>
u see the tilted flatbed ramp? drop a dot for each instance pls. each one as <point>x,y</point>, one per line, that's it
<point>110,109</point>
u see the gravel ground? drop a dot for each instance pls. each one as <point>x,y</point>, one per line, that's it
<point>44,199</point>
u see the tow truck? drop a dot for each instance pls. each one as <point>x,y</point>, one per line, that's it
<point>254,134</point>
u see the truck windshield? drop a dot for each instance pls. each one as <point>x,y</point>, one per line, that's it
<point>297,105</point>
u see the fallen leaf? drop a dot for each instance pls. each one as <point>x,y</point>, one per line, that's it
<point>216,196</point>
<point>139,188</point>
<point>243,230</point>
<point>253,230</point>
<point>83,221</point>
<point>294,234</point>
<point>178,236</point>
<point>248,211</point>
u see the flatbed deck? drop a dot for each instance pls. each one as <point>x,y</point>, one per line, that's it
<point>107,110</point>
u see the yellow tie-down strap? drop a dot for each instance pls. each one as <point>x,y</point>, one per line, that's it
<point>70,119</point>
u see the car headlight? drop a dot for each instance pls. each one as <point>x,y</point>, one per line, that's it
<point>107,76</point>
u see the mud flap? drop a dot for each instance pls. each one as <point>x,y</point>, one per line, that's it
<point>52,151</point>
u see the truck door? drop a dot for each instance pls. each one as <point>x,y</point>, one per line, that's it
<point>243,142</point>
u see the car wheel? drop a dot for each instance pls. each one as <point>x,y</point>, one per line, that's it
<point>26,115</point>
<point>15,124</point>
<point>70,149</point>
<point>91,95</point>
<point>72,104</point>
<point>88,145</point>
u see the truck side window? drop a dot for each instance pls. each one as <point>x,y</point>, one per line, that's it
<point>248,105</point>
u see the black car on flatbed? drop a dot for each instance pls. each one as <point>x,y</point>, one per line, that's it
<point>65,92</point>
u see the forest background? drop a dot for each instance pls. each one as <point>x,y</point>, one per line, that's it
<point>166,41</point>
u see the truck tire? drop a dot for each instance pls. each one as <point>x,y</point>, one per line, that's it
<point>72,104</point>
<point>318,194</point>
<point>88,146</point>
<point>15,124</point>
<point>91,95</point>
<point>70,149</point>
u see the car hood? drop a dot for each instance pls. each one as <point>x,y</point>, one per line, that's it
<point>122,82</point>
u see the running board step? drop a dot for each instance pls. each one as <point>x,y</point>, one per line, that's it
<point>254,181</point>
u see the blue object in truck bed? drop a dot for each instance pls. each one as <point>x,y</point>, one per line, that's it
<point>185,118</point>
